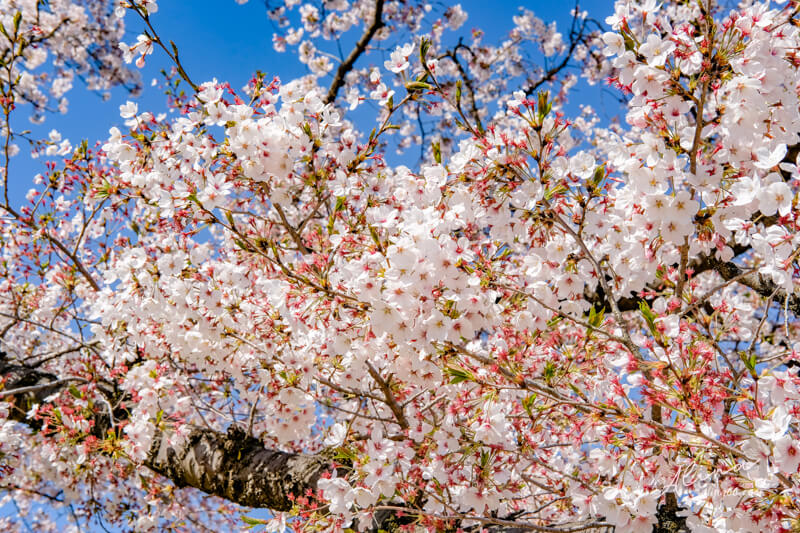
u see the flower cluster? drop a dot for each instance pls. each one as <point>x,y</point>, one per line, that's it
<point>544,321</point>
<point>46,45</point>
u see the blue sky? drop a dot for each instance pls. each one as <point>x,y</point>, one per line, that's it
<point>224,40</point>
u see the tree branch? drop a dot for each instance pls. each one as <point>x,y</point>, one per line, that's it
<point>758,282</point>
<point>230,465</point>
<point>237,467</point>
<point>360,48</point>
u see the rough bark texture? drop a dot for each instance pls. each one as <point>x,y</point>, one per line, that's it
<point>668,519</point>
<point>237,467</point>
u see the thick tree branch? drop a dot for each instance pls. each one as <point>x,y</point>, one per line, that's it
<point>230,465</point>
<point>237,467</point>
<point>758,282</point>
<point>30,386</point>
<point>40,386</point>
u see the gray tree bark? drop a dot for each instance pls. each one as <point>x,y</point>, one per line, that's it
<point>237,467</point>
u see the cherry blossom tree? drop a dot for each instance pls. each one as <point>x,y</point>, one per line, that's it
<point>527,321</point>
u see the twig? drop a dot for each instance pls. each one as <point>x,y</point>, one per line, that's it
<point>387,393</point>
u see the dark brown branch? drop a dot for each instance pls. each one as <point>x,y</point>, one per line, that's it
<point>728,270</point>
<point>33,387</point>
<point>237,467</point>
<point>576,38</point>
<point>758,282</point>
<point>48,385</point>
<point>669,517</point>
<point>386,388</point>
<point>453,54</point>
<point>360,48</point>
